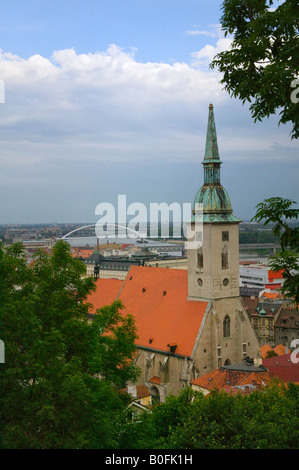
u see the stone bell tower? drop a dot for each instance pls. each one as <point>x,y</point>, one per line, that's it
<point>213,256</point>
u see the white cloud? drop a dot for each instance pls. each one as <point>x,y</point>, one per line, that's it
<point>106,92</point>
<point>198,32</point>
<point>204,56</point>
<point>68,117</point>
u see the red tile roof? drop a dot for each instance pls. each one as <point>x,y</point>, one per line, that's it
<point>283,367</point>
<point>227,379</point>
<point>157,298</point>
<point>155,380</point>
<point>106,292</point>
<point>280,350</point>
<point>142,391</point>
<point>265,349</point>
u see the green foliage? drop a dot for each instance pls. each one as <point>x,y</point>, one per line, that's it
<point>51,395</point>
<point>263,63</point>
<point>271,353</point>
<point>257,236</point>
<point>266,419</point>
<point>279,211</point>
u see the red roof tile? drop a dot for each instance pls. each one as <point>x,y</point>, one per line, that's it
<point>283,367</point>
<point>281,350</point>
<point>271,295</point>
<point>265,349</point>
<point>223,379</point>
<point>157,298</point>
<point>155,380</point>
<point>105,294</point>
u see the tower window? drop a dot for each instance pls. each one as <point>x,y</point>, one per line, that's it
<point>226,327</point>
<point>225,236</point>
<point>200,259</point>
<point>224,258</point>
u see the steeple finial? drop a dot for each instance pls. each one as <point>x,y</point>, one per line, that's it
<point>211,152</point>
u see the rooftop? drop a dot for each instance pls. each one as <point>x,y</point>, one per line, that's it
<point>157,299</point>
<point>283,367</point>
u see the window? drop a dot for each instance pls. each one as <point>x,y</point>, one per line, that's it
<point>224,258</point>
<point>225,236</point>
<point>226,327</point>
<point>155,396</point>
<point>199,259</point>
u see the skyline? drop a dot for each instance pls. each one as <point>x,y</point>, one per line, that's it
<point>109,98</point>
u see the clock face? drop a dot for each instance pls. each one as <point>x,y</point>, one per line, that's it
<point>226,281</point>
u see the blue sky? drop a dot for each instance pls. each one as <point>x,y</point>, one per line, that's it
<point>111,97</point>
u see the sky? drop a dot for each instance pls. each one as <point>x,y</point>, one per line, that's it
<point>110,97</point>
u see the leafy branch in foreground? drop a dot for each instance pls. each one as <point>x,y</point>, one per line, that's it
<point>51,395</point>
<point>262,65</point>
<point>278,211</point>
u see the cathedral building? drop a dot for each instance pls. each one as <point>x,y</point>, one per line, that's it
<point>189,322</point>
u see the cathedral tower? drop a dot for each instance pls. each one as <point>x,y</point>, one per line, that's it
<point>213,257</point>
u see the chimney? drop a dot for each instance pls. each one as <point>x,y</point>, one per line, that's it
<point>132,390</point>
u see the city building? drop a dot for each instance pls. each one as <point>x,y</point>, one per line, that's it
<point>262,320</point>
<point>261,277</point>
<point>100,266</point>
<point>286,326</point>
<point>189,322</point>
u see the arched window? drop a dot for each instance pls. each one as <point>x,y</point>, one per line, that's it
<point>155,395</point>
<point>199,259</point>
<point>227,362</point>
<point>226,327</point>
<point>224,258</point>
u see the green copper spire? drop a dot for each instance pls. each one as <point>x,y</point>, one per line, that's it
<point>211,152</point>
<point>212,197</point>
<point>211,159</point>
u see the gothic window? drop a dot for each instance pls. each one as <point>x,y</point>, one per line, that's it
<point>224,258</point>
<point>155,396</point>
<point>225,236</point>
<point>226,327</point>
<point>199,259</point>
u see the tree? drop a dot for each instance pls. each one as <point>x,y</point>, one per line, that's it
<point>62,371</point>
<point>262,66</point>
<point>278,211</point>
<point>263,419</point>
